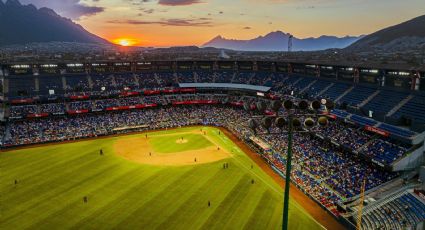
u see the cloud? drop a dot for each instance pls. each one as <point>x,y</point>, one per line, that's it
<point>167,2</point>
<point>178,2</point>
<point>199,22</point>
<point>69,8</point>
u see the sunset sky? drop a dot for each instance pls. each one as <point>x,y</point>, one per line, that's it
<point>194,22</point>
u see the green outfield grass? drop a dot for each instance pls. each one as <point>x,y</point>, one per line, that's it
<point>168,143</point>
<point>52,181</point>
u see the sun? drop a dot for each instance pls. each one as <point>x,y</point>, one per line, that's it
<point>125,41</point>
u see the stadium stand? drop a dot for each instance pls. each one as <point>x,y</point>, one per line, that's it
<point>329,164</point>
<point>357,95</point>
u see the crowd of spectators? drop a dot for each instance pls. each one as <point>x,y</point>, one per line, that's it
<point>321,169</point>
<point>385,151</point>
<point>348,135</point>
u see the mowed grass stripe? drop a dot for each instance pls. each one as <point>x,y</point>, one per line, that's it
<point>260,218</point>
<point>147,215</point>
<point>115,201</point>
<point>243,210</point>
<point>55,216</point>
<point>51,190</point>
<point>187,191</point>
<point>40,156</point>
<point>48,179</point>
<point>11,169</point>
<point>136,199</point>
<point>32,176</point>
<point>234,198</point>
<point>53,201</point>
<point>194,212</point>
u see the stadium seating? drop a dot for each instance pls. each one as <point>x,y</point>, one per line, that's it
<point>124,81</point>
<point>21,87</point>
<point>385,101</point>
<point>77,83</point>
<point>404,211</point>
<point>414,109</point>
<point>48,83</point>
<point>317,87</point>
<point>357,95</point>
<point>224,76</point>
<point>335,91</point>
<point>303,83</point>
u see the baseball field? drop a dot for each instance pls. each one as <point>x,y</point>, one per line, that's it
<point>188,178</point>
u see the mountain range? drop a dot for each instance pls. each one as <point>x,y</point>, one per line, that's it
<point>21,24</point>
<point>278,41</point>
<point>408,35</point>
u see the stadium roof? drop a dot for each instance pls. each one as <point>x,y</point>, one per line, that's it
<point>225,86</point>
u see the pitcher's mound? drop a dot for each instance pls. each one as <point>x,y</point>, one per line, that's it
<point>180,141</point>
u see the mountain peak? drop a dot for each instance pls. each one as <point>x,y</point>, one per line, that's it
<point>218,37</point>
<point>48,11</point>
<point>278,41</point>
<point>13,3</point>
<point>401,37</point>
<point>45,26</point>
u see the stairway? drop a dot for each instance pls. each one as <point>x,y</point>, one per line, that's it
<point>298,80</point>
<point>399,105</point>
<point>308,86</point>
<point>64,83</point>
<point>369,98</point>
<point>157,78</point>
<point>90,81</point>
<point>325,89</point>
<point>234,77</point>
<point>136,79</point>
<point>345,93</point>
<point>250,78</point>
<point>195,77</point>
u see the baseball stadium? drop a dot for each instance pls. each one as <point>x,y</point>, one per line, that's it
<point>211,145</point>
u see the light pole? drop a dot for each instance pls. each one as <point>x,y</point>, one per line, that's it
<point>292,122</point>
<point>287,175</point>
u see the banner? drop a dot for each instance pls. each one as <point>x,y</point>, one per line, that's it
<point>79,97</point>
<point>377,131</point>
<point>273,97</point>
<point>270,113</point>
<point>73,112</point>
<point>197,102</point>
<point>151,92</point>
<point>128,107</point>
<point>37,115</point>
<point>187,90</point>
<point>22,101</point>
<point>129,93</point>
<point>170,91</point>
<point>239,103</point>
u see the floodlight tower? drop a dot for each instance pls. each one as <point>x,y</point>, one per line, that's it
<point>290,42</point>
<point>294,125</point>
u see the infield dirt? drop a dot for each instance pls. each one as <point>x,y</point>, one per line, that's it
<point>138,149</point>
